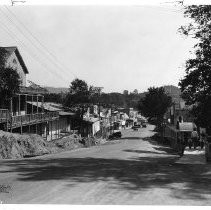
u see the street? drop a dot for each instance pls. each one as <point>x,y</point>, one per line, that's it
<point>133,170</point>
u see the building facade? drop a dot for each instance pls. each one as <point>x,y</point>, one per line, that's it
<point>21,115</point>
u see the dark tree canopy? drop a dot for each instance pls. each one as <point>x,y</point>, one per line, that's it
<point>78,93</point>
<point>125,92</point>
<point>155,103</point>
<point>81,93</point>
<point>3,55</point>
<point>54,97</point>
<point>9,84</point>
<point>196,85</point>
<point>9,80</point>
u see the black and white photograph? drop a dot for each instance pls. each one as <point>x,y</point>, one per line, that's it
<point>105,103</point>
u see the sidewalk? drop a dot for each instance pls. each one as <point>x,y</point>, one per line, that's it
<point>193,157</point>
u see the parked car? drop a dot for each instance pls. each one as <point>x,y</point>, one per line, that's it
<point>115,135</point>
<point>144,125</point>
<point>208,149</point>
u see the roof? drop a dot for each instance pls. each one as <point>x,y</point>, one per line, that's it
<point>62,113</point>
<point>49,106</point>
<point>12,49</point>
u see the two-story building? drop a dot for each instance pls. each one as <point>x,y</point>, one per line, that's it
<point>21,115</point>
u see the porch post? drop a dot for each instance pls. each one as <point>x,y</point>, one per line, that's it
<point>51,129</point>
<point>21,126</point>
<point>19,104</point>
<point>58,129</point>
<point>32,104</point>
<point>42,104</point>
<point>11,114</point>
<point>47,130</point>
<point>37,104</point>
<point>26,103</point>
<point>11,105</point>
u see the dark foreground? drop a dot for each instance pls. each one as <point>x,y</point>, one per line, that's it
<point>134,170</point>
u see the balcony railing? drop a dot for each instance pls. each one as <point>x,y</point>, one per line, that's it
<point>28,119</point>
<point>4,114</point>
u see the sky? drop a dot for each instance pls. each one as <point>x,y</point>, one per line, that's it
<point>117,47</point>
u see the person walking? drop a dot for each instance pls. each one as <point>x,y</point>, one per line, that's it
<point>203,138</point>
<point>190,143</point>
<point>123,124</point>
<point>194,137</point>
<point>184,142</point>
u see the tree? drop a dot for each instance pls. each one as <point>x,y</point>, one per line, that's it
<point>196,85</point>
<point>9,80</point>
<point>125,92</point>
<point>135,92</point>
<point>95,94</point>
<point>78,93</point>
<point>9,84</point>
<point>78,98</point>
<point>155,104</point>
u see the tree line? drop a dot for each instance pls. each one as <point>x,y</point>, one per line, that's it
<point>80,92</point>
<point>196,84</point>
<point>9,80</point>
<point>152,104</point>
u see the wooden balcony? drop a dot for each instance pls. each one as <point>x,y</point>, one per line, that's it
<point>4,114</point>
<point>30,119</point>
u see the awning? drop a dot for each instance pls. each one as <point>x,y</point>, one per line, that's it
<point>48,106</point>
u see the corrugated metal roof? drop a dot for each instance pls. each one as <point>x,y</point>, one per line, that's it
<point>47,106</point>
<point>62,113</point>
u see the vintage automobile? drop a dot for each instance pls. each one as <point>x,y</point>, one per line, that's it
<point>115,135</point>
<point>144,125</point>
<point>208,149</point>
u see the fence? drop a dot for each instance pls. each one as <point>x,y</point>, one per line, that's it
<point>173,136</point>
<point>21,120</point>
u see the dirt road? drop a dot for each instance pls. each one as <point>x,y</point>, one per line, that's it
<point>134,170</point>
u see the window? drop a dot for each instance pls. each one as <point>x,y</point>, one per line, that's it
<point>14,61</point>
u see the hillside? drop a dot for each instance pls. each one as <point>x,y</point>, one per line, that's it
<point>57,90</point>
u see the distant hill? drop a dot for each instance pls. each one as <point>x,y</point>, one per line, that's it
<point>57,90</point>
<point>172,90</point>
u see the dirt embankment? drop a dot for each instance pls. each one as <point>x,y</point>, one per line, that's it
<point>15,146</point>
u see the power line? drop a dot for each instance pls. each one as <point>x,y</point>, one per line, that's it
<point>36,57</point>
<point>51,60</point>
<point>32,55</point>
<point>38,41</point>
